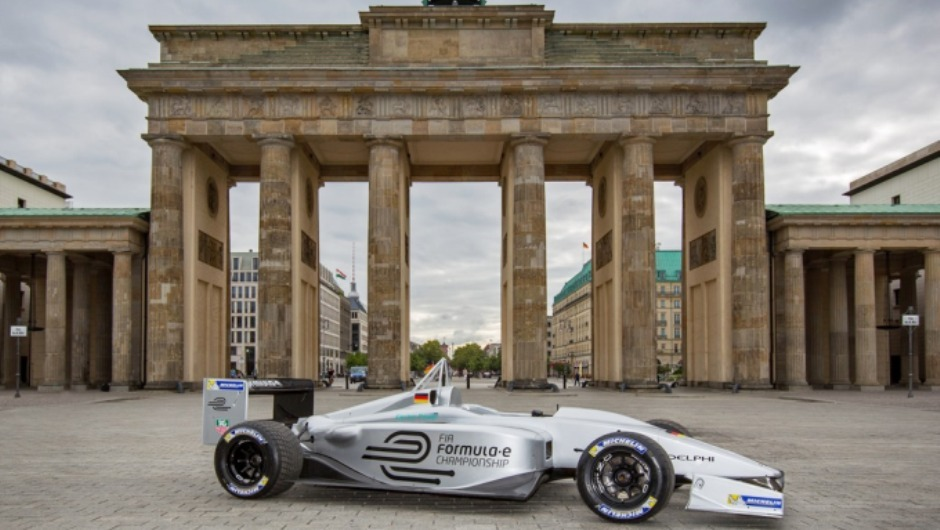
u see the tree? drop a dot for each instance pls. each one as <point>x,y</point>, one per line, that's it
<point>470,357</point>
<point>356,359</point>
<point>428,353</point>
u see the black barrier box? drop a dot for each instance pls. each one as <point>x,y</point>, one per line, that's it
<point>293,398</point>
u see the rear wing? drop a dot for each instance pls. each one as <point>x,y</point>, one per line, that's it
<point>293,398</point>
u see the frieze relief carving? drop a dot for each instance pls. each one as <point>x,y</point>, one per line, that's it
<point>219,107</point>
<point>604,250</point>
<point>308,250</point>
<point>290,106</point>
<point>211,251</point>
<point>328,106</point>
<point>441,106</point>
<point>253,107</point>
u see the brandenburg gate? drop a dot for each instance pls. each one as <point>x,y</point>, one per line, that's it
<point>500,94</point>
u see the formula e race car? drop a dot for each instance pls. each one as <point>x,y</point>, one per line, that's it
<point>426,440</point>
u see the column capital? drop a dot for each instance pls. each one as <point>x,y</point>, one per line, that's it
<point>528,138</point>
<point>391,141</point>
<point>286,140</point>
<point>749,139</point>
<point>171,139</point>
<point>627,139</point>
<point>795,250</point>
<point>864,250</point>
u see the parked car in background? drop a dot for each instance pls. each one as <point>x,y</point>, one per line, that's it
<point>357,374</point>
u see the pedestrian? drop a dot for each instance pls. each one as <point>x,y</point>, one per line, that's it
<point>577,379</point>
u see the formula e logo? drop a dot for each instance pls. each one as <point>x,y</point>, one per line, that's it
<point>401,453</point>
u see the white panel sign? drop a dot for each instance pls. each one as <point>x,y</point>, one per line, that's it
<point>18,331</point>
<point>910,320</point>
<point>224,403</point>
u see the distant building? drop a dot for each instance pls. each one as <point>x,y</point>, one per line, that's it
<point>331,322</point>
<point>571,322</point>
<point>493,348</point>
<point>572,314</point>
<point>669,306</point>
<point>21,187</point>
<point>358,321</point>
<point>244,312</point>
<point>914,179</point>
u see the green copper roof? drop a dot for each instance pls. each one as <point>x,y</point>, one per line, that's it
<point>143,213</point>
<point>579,280</point>
<point>668,268</point>
<point>773,210</point>
<point>668,265</point>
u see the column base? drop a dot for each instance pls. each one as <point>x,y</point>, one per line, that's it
<point>120,387</point>
<point>385,385</point>
<point>50,388</point>
<point>839,386</point>
<point>178,386</point>
<point>868,388</point>
<point>795,387</point>
<point>529,384</point>
<point>930,387</point>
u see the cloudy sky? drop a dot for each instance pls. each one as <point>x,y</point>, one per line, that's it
<point>866,94</point>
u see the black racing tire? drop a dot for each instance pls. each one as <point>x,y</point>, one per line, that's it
<point>670,426</point>
<point>625,477</point>
<point>257,459</point>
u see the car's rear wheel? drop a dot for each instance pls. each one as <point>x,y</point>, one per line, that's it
<point>625,477</point>
<point>670,426</point>
<point>258,459</point>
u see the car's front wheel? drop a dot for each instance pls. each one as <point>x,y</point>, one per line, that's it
<point>258,459</point>
<point>625,477</point>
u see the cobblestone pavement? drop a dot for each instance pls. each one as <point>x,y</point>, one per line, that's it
<point>134,460</point>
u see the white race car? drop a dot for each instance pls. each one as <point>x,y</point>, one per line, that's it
<point>426,440</point>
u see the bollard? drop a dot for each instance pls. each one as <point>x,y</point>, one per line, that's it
<point>468,380</point>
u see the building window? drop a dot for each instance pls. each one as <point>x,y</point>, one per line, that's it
<point>20,203</point>
<point>896,200</point>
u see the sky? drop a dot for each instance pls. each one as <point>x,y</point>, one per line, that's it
<point>866,94</point>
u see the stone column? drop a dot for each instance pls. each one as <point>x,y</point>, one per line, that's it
<point>274,269</point>
<point>11,313</point>
<point>931,319</point>
<point>866,355</point>
<point>839,325</point>
<point>529,306</point>
<point>794,320</point>
<point>80,323</point>
<point>387,225</point>
<point>54,364</point>
<point>750,325</point>
<point>638,263</point>
<point>121,322</point>
<point>908,299</point>
<point>165,263</point>
<point>817,327</point>
<point>882,337</point>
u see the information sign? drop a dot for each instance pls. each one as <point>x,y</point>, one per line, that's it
<point>224,403</point>
<point>18,331</point>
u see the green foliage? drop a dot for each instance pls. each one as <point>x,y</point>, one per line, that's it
<point>470,357</point>
<point>356,359</point>
<point>428,353</point>
<point>561,368</point>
